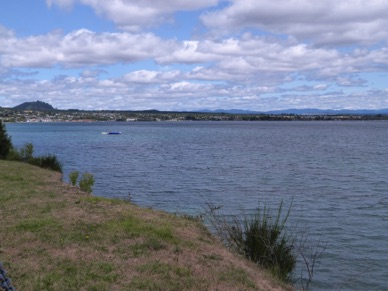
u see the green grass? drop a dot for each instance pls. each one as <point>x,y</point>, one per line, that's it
<point>64,275</point>
<point>163,276</point>
<point>234,274</point>
<point>55,237</point>
<point>37,225</point>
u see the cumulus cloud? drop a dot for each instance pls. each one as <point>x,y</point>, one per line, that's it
<point>251,54</point>
<point>349,81</point>
<point>320,87</point>
<point>134,15</point>
<point>268,55</point>
<point>188,52</point>
<point>164,92</point>
<point>328,22</point>
<point>92,73</point>
<point>150,77</point>
<point>242,58</point>
<point>61,3</point>
<point>80,47</point>
<point>227,58</point>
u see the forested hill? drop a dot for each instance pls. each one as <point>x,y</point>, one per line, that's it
<point>36,105</point>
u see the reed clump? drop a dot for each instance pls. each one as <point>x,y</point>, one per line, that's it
<point>260,237</point>
<point>263,238</point>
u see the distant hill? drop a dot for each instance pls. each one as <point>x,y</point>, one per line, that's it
<point>232,111</point>
<point>309,111</point>
<point>36,105</point>
<point>42,106</point>
<point>312,111</point>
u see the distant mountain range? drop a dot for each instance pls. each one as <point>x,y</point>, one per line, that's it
<point>308,111</point>
<point>42,106</point>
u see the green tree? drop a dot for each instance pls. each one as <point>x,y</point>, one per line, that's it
<point>5,141</point>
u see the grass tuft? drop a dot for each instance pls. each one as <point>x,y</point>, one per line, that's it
<point>260,237</point>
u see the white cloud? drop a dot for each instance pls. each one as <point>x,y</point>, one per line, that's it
<point>250,55</point>
<point>92,73</point>
<point>244,58</point>
<point>326,22</point>
<point>320,87</point>
<point>61,3</point>
<point>81,47</point>
<point>231,58</point>
<point>151,77</point>
<point>187,53</point>
<point>185,87</point>
<point>135,15</point>
<point>179,94</point>
<point>287,60</point>
<point>349,81</point>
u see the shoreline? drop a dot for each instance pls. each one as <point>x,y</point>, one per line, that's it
<point>56,237</point>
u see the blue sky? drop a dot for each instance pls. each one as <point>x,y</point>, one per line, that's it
<point>194,55</point>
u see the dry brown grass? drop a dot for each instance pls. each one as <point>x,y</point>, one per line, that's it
<point>55,237</point>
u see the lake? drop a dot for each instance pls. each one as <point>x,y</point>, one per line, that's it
<point>335,173</point>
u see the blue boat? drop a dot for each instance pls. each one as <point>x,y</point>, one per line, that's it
<point>111,132</point>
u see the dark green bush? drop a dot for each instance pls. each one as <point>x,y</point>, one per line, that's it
<point>5,141</point>
<point>265,242</point>
<point>260,238</point>
<point>25,155</point>
<point>50,162</point>
<point>13,155</point>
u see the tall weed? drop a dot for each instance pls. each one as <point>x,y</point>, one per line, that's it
<point>86,182</point>
<point>73,177</point>
<point>260,237</point>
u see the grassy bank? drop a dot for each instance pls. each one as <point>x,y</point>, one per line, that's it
<point>55,237</point>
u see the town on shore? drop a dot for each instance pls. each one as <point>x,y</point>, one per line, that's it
<point>42,112</point>
<point>9,115</point>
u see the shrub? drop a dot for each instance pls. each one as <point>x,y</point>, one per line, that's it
<point>86,182</point>
<point>13,155</point>
<point>5,141</point>
<point>260,238</point>
<point>47,162</point>
<point>73,177</point>
<point>25,155</point>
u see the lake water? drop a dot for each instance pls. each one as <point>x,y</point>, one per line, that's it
<point>336,173</point>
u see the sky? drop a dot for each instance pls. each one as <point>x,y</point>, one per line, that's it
<point>189,55</point>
